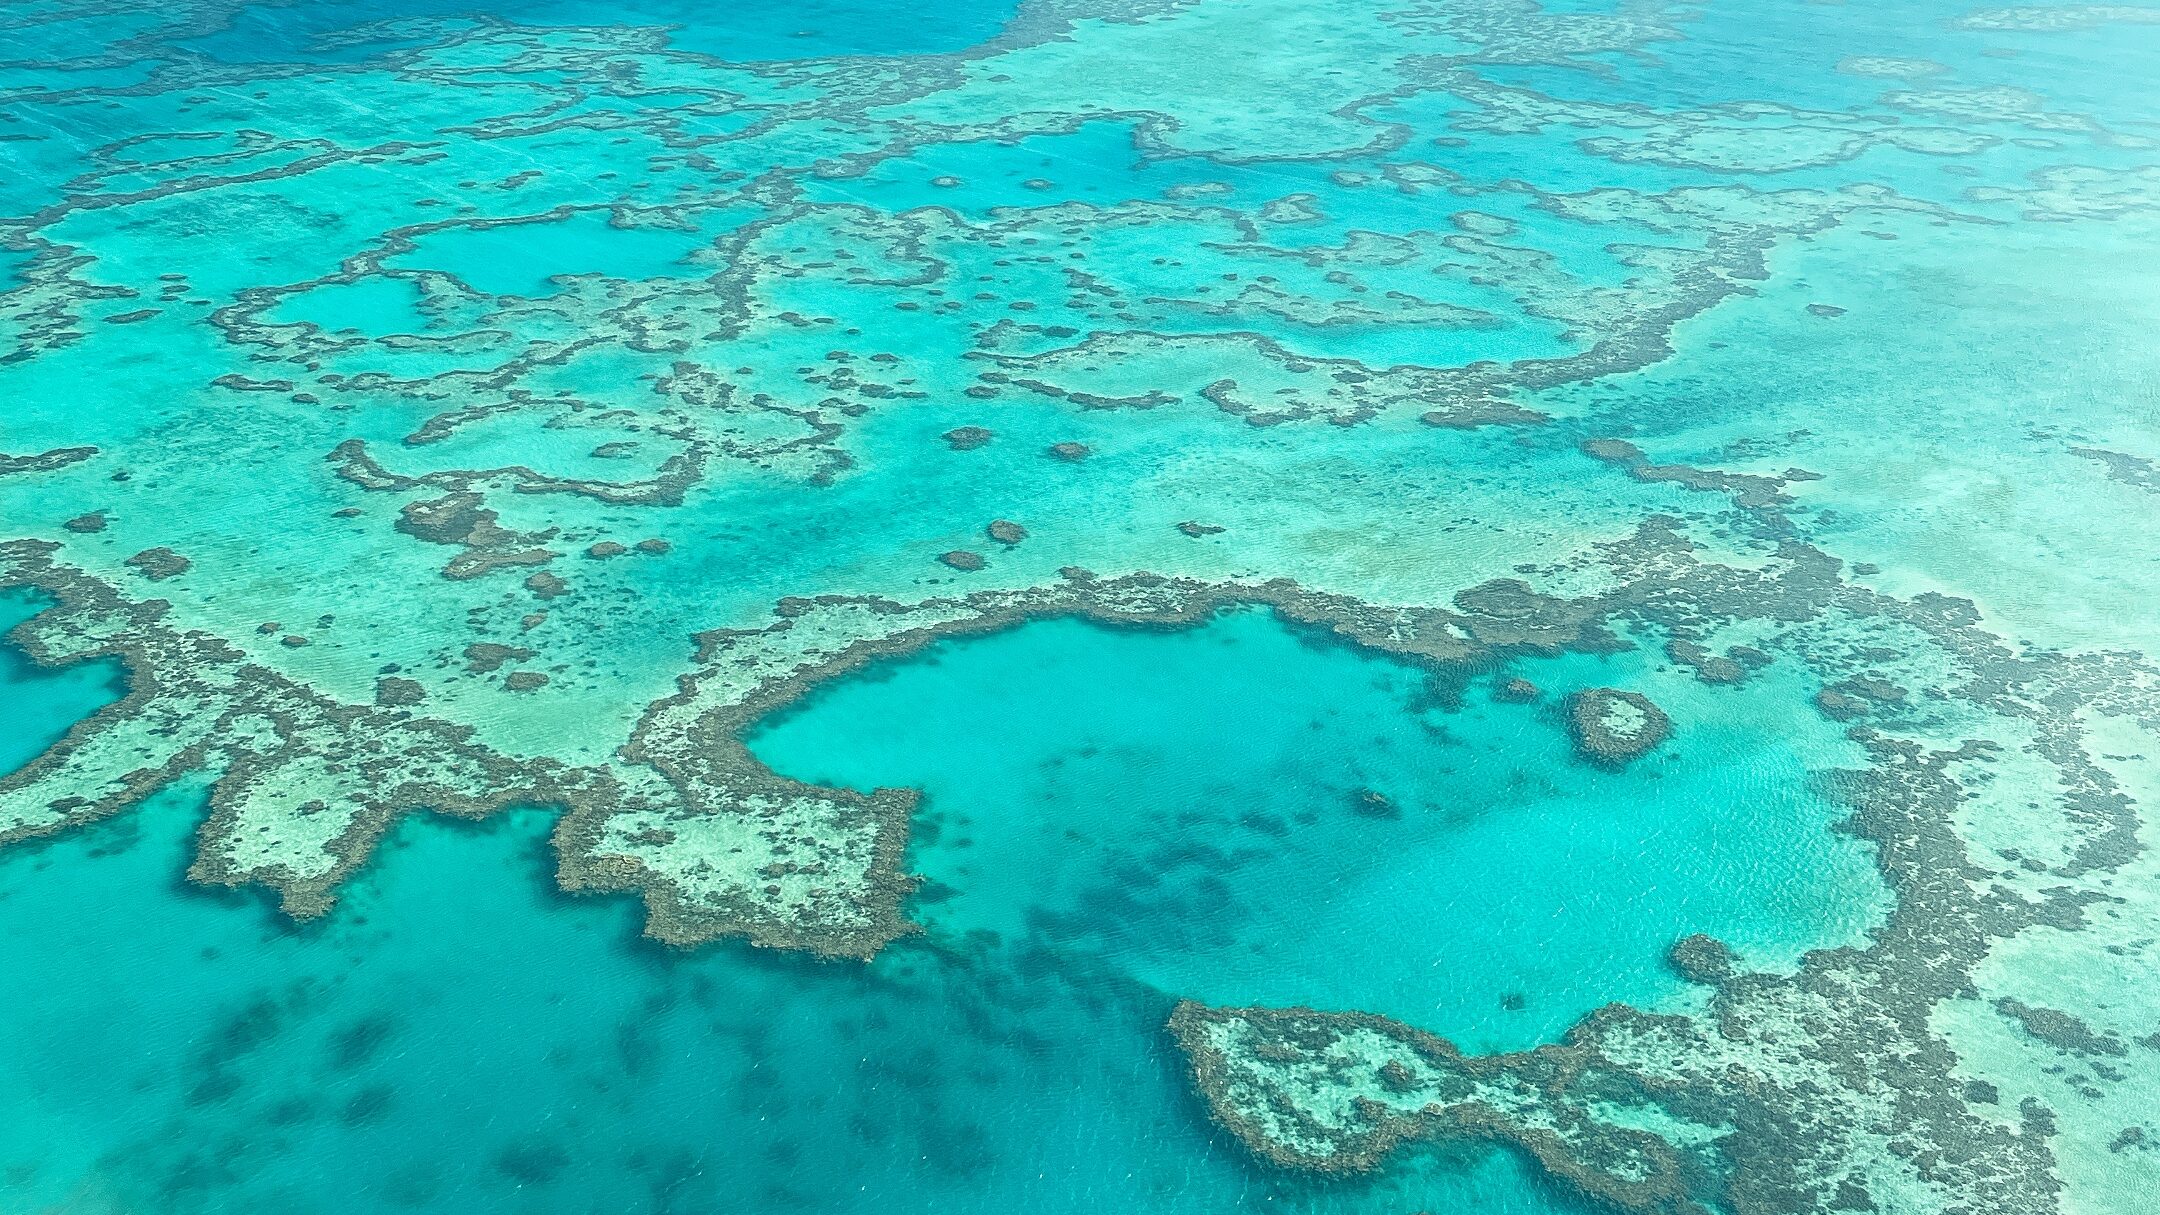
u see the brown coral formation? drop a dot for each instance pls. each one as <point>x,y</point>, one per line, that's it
<point>158,564</point>
<point>1701,959</point>
<point>460,520</point>
<point>1371,803</point>
<point>1515,691</point>
<point>47,461</point>
<point>1826,1089</point>
<point>485,657</point>
<point>1613,728</point>
<point>395,692</point>
<point>306,785</point>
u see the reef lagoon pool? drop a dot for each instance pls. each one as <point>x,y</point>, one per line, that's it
<point>1239,814</point>
<point>1518,607</point>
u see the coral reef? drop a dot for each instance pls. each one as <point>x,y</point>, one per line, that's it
<point>527,434</point>
<point>1613,728</point>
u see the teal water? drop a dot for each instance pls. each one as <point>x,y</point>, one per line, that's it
<point>524,259</point>
<point>38,704</point>
<point>1182,808</point>
<point>174,1051</point>
<point>274,32</point>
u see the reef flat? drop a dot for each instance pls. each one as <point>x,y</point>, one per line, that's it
<point>1659,492</point>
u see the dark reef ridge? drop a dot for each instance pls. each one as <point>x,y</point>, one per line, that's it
<point>1613,728</point>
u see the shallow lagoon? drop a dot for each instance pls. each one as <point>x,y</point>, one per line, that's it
<point>38,704</point>
<point>1183,808</point>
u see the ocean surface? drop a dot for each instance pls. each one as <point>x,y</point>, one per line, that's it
<point>472,474</point>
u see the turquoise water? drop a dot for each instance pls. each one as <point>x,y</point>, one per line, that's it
<point>41,702</point>
<point>1093,850</point>
<point>175,1051</point>
<point>1182,808</point>
<point>471,404</point>
<point>523,259</point>
<point>756,29</point>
